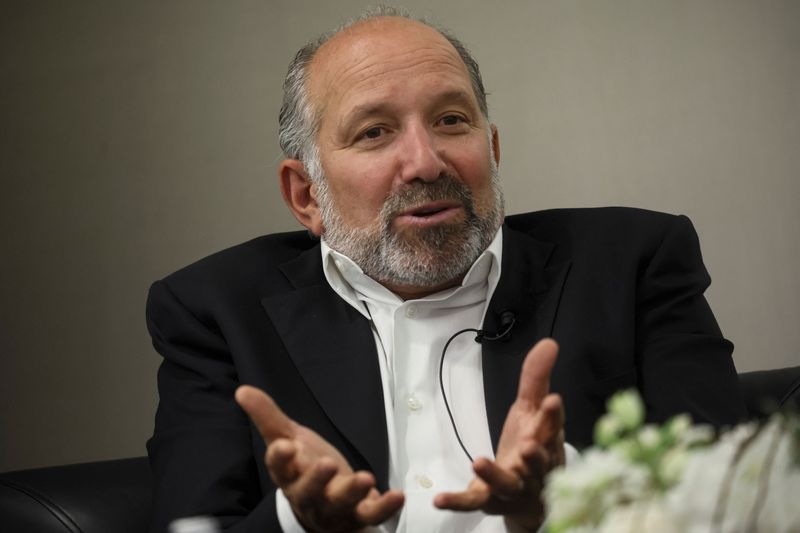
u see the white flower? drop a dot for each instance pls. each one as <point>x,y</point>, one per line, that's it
<point>672,466</point>
<point>607,430</point>
<point>649,437</point>
<point>780,512</point>
<point>598,481</point>
<point>716,494</point>
<point>650,516</point>
<point>697,435</point>
<point>679,425</point>
<point>696,497</point>
<point>674,478</point>
<point>769,469</point>
<point>628,408</point>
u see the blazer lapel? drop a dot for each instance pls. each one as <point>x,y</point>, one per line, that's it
<point>333,348</point>
<point>530,286</point>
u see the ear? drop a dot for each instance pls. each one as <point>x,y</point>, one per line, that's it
<point>299,194</point>
<point>495,143</point>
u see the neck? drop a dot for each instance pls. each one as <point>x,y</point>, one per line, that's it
<point>408,292</point>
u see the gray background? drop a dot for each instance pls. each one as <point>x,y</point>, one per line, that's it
<point>136,137</point>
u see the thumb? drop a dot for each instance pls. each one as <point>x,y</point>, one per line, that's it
<point>271,422</point>
<point>534,381</point>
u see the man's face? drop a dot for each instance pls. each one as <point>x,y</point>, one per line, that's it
<point>409,189</point>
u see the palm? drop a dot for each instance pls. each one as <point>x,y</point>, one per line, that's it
<point>324,492</point>
<point>310,448</point>
<point>531,443</point>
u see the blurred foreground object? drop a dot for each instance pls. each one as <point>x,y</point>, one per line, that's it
<point>680,477</point>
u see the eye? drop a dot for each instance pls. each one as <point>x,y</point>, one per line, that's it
<point>373,133</point>
<point>452,120</point>
<point>373,136</point>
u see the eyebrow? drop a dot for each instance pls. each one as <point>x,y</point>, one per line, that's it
<point>458,96</point>
<point>362,111</point>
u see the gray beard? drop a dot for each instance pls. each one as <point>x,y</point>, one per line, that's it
<point>421,257</point>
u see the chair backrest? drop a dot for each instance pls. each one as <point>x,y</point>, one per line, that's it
<point>96,497</point>
<point>765,391</point>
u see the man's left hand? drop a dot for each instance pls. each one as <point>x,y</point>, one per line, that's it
<point>531,444</point>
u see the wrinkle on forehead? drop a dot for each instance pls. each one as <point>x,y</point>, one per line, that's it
<point>359,57</point>
<point>368,76</point>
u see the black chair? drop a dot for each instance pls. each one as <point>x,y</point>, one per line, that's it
<point>115,496</point>
<point>100,497</point>
<point>766,391</point>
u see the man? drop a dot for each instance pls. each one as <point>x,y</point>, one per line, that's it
<point>391,159</point>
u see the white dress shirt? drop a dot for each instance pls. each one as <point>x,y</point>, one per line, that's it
<point>425,457</point>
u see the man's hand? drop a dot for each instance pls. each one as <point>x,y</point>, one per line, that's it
<point>531,444</point>
<point>325,494</point>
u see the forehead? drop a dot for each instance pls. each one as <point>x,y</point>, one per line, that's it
<point>379,57</point>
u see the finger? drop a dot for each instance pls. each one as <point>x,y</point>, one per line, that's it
<point>534,381</point>
<point>558,451</point>
<point>271,422</point>
<point>281,463</point>
<point>550,423</point>
<point>503,483</point>
<point>472,499</point>
<point>378,508</point>
<point>309,489</point>
<point>347,490</point>
<point>536,463</point>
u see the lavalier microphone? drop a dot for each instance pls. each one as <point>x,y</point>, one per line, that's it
<point>507,321</point>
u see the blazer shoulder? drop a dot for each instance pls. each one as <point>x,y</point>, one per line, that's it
<point>603,230</point>
<point>605,217</point>
<point>242,267</point>
<point>626,222</point>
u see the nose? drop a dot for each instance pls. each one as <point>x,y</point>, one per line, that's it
<point>420,156</point>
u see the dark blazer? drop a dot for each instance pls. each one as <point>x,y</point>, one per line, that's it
<point>620,289</point>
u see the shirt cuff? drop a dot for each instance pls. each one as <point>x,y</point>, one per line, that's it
<point>570,454</point>
<point>286,517</point>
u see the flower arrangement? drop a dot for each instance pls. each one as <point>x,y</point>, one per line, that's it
<point>679,477</point>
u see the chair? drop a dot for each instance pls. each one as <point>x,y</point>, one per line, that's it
<point>115,496</point>
<point>99,497</point>
<point>764,391</point>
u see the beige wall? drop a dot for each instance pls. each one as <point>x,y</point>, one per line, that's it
<point>136,137</point>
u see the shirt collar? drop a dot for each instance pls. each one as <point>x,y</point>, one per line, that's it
<point>348,280</point>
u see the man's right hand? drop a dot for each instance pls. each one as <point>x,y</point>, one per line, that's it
<point>324,492</point>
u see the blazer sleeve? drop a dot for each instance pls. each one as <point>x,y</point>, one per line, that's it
<point>684,364</point>
<point>201,453</point>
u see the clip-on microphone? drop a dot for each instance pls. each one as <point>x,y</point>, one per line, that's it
<point>507,321</point>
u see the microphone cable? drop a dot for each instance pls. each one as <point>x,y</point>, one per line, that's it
<point>507,321</point>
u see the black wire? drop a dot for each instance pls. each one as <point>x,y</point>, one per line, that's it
<point>441,385</point>
<point>481,336</point>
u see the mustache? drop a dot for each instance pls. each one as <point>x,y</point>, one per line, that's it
<point>444,187</point>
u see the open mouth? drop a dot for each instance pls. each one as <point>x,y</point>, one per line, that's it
<point>430,212</point>
<point>426,212</point>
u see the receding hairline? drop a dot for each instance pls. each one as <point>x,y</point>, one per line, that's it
<point>365,27</point>
<point>299,120</point>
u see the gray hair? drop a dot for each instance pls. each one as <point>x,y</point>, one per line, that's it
<point>298,121</point>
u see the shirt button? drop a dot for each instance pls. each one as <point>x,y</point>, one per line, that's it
<point>413,403</point>
<point>424,481</point>
<point>411,311</point>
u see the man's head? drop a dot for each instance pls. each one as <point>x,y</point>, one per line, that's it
<point>391,155</point>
